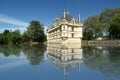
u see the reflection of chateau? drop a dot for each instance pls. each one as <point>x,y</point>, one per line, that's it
<point>65,58</point>
<point>65,29</point>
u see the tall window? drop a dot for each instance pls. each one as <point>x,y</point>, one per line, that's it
<point>63,27</point>
<point>72,50</point>
<point>72,28</point>
<point>72,35</point>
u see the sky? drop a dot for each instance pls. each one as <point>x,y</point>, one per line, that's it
<point>17,14</point>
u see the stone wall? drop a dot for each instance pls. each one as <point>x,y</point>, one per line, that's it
<point>65,41</point>
<point>102,42</point>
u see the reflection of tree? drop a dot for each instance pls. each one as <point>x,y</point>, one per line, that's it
<point>35,53</point>
<point>10,50</point>
<point>105,60</point>
<point>115,60</point>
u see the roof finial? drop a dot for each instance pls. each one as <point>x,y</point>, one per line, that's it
<point>64,13</point>
<point>79,17</point>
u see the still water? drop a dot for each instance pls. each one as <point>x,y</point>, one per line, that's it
<point>55,62</point>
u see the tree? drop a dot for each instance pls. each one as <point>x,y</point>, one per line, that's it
<point>11,37</point>
<point>106,18</point>
<point>36,31</point>
<point>87,35</point>
<point>1,39</point>
<point>6,36</point>
<point>115,27</point>
<point>93,24</point>
<point>16,37</point>
<point>25,37</point>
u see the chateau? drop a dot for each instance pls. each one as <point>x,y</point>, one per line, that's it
<point>65,29</point>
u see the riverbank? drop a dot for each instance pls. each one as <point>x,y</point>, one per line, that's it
<point>101,43</point>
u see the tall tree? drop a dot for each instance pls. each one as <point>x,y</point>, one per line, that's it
<point>6,36</point>
<point>16,37</point>
<point>106,18</point>
<point>115,27</point>
<point>36,31</point>
<point>93,24</point>
<point>88,35</point>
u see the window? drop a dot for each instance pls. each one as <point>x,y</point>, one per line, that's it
<point>72,28</point>
<point>72,50</point>
<point>63,27</point>
<point>72,35</point>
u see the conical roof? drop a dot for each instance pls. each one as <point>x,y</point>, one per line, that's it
<point>66,15</point>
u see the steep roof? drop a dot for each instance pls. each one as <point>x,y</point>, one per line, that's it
<point>66,15</point>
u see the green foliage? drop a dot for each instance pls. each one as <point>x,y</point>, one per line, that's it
<point>106,18</point>
<point>16,37</point>
<point>87,35</point>
<point>25,37</point>
<point>36,32</point>
<point>1,39</point>
<point>8,37</point>
<point>115,27</point>
<point>93,26</point>
<point>103,23</point>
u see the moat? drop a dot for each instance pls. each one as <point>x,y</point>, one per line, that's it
<point>55,62</point>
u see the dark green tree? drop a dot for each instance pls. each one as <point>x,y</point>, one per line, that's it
<point>25,37</point>
<point>36,31</point>
<point>106,18</point>
<point>88,35</point>
<point>8,37</point>
<point>1,39</point>
<point>115,27</point>
<point>16,37</point>
<point>93,24</point>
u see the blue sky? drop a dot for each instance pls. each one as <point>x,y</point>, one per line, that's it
<point>18,13</point>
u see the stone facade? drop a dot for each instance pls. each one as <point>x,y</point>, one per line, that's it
<point>65,29</point>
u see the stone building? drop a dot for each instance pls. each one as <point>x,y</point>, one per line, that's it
<point>65,29</point>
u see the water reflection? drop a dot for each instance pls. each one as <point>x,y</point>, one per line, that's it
<point>103,59</point>
<point>65,57</point>
<point>34,53</point>
<point>8,50</point>
<point>68,58</point>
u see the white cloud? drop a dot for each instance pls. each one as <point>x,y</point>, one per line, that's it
<point>21,25</point>
<point>9,20</point>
